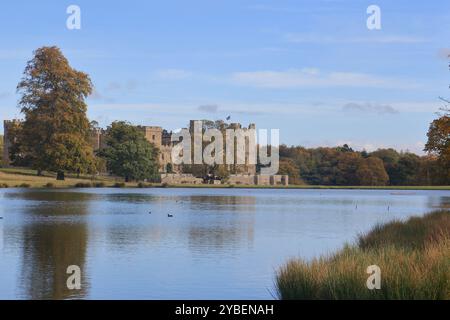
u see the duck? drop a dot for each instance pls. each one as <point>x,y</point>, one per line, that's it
<point>169,215</point>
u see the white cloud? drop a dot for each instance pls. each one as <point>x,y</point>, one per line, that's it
<point>314,78</point>
<point>370,146</point>
<point>321,39</point>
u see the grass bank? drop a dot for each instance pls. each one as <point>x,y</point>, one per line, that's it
<point>242,186</point>
<point>24,177</point>
<point>27,178</point>
<point>413,256</point>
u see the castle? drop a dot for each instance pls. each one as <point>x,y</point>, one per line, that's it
<point>170,173</point>
<point>157,136</point>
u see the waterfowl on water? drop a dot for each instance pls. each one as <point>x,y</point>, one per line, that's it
<point>169,215</point>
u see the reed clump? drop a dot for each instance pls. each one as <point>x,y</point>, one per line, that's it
<point>413,256</point>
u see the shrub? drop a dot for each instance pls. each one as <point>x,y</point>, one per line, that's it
<point>49,185</point>
<point>4,185</point>
<point>83,185</point>
<point>24,185</point>
<point>143,185</point>
<point>99,184</point>
<point>119,185</point>
<point>164,185</point>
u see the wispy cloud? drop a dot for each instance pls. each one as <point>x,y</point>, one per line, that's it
<point>311,77</point>
<point>322,39</point>
<point>4,95</point>
<point>128,86</point>
<point>444,53</point>
<point>208,108</point>
<point>173,74</point>
<point>231,109</point>
<point>369,108</point>
<point>8,54</point>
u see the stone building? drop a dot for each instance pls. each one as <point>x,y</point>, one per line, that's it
<point>240,173</point>
<point>245,168</point>
<point>97,139</point>
<point>161,139</point>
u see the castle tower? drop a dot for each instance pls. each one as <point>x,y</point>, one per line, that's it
<point>153,135</point>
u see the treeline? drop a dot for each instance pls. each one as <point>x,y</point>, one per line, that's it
<point>346,167</point>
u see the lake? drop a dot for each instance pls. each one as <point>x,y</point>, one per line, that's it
<point>219,244</point>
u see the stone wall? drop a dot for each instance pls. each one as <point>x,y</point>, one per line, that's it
<point>259,180</point>
<point>173,178</point>
<point>246,179</point>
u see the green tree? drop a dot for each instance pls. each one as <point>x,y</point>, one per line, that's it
<point>371,172</point>
<point>390,158</point>
<point>406,171</point>
<point>128,154</point>
<point>55,133</point>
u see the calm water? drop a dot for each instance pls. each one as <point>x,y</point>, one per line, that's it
<point>220,244</point>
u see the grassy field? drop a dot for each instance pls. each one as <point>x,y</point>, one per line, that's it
<point>24,177</point>
<point>27,178</point>
<point>414,258</point>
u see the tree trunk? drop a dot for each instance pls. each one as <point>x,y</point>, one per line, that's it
<point>60,175</point>
<point>127,179</point>
<point>39,172</point>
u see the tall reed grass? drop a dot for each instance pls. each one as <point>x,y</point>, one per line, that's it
<point>414,258</point>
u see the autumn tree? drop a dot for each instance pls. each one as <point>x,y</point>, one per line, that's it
<point>439,142</point>
<point>371,172</point>
<point>55,133</point>
<point>288,167</point>
<point>128,154</point>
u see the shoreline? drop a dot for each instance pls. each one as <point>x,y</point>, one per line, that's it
<point>27,178</point>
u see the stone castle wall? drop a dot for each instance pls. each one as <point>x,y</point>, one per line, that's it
<point>258,179</point>
<point>245,174</point>
<point>173,178</point>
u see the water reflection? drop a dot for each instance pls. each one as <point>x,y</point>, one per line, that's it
<point>219,244</point>
<point>50,246</point>
<point>48,250</point>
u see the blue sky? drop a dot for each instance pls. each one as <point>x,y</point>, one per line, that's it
<point>311,68</point>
